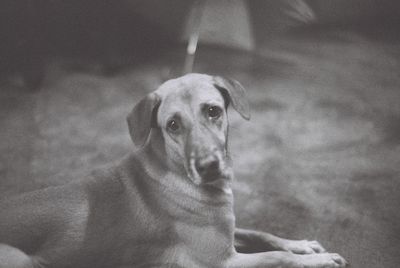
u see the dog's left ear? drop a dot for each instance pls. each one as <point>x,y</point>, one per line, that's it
<point>142,118</point>
<point>233,92</point>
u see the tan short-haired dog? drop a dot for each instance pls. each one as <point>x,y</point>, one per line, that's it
<point>168,204</point>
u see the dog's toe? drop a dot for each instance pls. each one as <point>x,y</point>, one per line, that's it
<point>339,260</point>
<point>323,260</point>
<point>305,247</point>
<point>316,247</point>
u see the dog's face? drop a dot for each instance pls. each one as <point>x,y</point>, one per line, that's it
<point>190,114</point>
<point>194,125</point>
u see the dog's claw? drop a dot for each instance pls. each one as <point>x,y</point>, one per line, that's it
<point>323,260</point>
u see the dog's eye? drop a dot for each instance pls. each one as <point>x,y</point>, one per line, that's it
<point>173,125</point>
<point>214,111</point>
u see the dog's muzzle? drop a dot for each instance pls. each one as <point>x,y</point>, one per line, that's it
<point>207,169</point>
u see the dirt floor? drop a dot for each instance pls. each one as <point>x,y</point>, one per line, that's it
<point>320,158</point>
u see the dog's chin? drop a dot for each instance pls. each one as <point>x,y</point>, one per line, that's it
<point>219,182</point>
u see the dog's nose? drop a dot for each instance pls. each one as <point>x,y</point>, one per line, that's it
<point>207,166</point>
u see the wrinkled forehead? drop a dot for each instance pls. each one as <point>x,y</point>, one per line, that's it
<point>178,95</point>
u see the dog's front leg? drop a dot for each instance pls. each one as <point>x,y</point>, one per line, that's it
<point>249,241</point>
<point>13,257</point>
<point>280,259</point>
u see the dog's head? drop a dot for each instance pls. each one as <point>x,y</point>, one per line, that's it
<point>189,116</point>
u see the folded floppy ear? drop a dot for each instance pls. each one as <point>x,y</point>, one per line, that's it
<point>142,118</point>
<point>233,92</point>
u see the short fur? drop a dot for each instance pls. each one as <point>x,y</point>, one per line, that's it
<point>167,204</point>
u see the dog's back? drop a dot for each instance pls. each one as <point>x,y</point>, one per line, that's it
<point>57,225</point>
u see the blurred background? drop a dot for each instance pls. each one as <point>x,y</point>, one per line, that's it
<point>320,158</point>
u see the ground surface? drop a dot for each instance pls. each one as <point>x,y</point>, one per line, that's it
<point>320,158</point>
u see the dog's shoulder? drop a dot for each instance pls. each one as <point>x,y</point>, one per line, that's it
<point>104,185</point>
<point>106,179</point>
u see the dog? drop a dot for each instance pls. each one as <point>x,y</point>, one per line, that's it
<point>166,204</point>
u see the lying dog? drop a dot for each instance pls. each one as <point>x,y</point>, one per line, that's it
<point>168,204</point>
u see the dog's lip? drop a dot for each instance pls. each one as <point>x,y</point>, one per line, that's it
<point>212,176</point>
<point>220,175</point>
<point>222,182</point>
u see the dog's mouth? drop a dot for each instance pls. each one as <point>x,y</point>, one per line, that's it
<point>213,175</point>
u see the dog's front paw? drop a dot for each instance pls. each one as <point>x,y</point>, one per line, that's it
<point>324,260</point>
<point>303,246</point>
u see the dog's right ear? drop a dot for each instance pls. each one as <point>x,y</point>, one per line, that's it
<point>142,118</point>
<point>233,91</point>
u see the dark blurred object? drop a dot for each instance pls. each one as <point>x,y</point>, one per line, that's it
<point>21,43</point>
<point>270,17</point>
<point>355,11</point>
<point>126,32</point>
<point>103,30</point>
<point>107,32</point>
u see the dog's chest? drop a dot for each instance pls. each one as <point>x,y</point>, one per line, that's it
<point>187,241</point>
<point>206,241</point>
